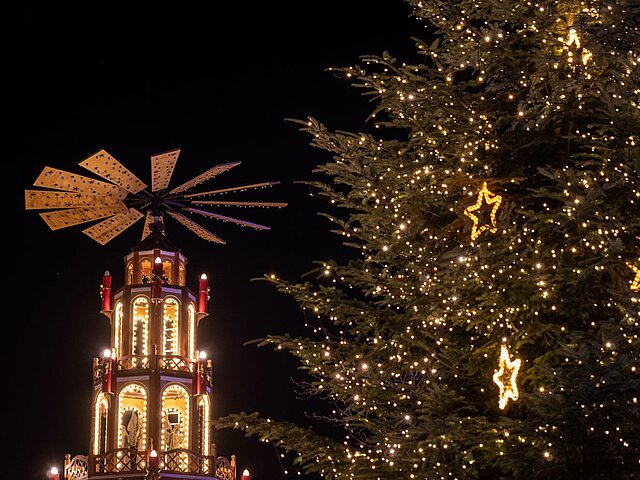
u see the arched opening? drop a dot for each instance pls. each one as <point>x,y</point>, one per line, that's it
<point>175,418</point>
<point>145,270</point>
<point>181,279</point>
<point>101,415</point>
<point>132,417</point>
<point>170,326</point>
<point>129,280</point>
<point>167,266</point>
<point>191,312</point>
<point>140,327</point>
<point>203,426</point>
<point>117,329</point>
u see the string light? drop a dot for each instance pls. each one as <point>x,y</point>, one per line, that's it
<point>635,283</point>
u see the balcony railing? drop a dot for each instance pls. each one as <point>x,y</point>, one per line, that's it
<point>120,460</point>
<point>127,460</point>
<point>181,460</point>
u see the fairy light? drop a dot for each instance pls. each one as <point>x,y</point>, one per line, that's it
<point>175,399</point>
<point>505,377</point>
<point>117,329</point>
<point>132,398</point>
<point>635,283</point>
<point>485,197</point>
<point>170,326</point>
<point>101,403</point>
<point>191,312</point>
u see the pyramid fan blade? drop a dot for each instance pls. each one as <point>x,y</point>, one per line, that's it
<point>146,230</point>
<point>195,228</point>
<point>230,203</point>
<point>224,218</point>
<point>105,166</point>
<point>108,229</point>
<point>70,182</point>
<point>162,166</point>
<point>231,189</point>
<point>212,172</point>
<point>75,216</point>
<point>43,199</point>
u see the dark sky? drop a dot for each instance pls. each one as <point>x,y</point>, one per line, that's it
<point>217,83</point>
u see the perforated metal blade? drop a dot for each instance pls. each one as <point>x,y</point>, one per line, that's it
<point>70,182</point>
<point>104,165</point>
<point>231,203</point>
<point>224,218</point>
<point>108,229</point>
<point>196,228</point>
<point>162,166</point>
<point>209,174</point>
<point>47,199</point>
<point>231,189</point>
<point>75,216</point>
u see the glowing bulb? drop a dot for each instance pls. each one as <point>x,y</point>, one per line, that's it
<point>245,472</point>
<point>153,454</point>
<point>158,260</point>
<point>106,353</point>
<point>53,471</point>
<point>203,355</point>
<point>204,276</point>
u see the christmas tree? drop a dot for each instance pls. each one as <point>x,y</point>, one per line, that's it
<point>487,327</point>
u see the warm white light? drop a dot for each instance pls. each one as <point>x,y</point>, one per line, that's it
<point>203,276</point>
<point>245,473</point>
<point>203,355</point>
<point>54,471</point>
<point>106,353</point>
<point>158,260</point>
<point>153,454</point>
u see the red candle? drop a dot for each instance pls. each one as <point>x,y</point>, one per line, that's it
<point>203,294</point>
<point>105,291</point>
<point>154,460</point>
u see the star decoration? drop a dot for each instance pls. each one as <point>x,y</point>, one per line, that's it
<point>505,377</point>
<point>488,198</point>
<point>635,283</point>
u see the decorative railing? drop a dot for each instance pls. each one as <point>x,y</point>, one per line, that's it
<point>76,468</point>
<point>175,363</point>
<point>225,470</point>
<point>181,460</point>
<point>118,461</point>
<point>133,362</point>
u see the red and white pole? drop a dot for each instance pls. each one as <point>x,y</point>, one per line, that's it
<point>105,291</point>
<point>203,293</point>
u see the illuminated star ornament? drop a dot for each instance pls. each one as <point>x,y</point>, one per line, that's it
<point>485,197</point>
<point>635,283</point>
<point>505,377</point>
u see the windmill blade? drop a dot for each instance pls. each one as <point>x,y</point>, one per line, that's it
<point>232,189</point>
<point>196,228</point>
<point>212,172</point>
<point>105,166</point>
<point>162,166</point>
<point>224,218</point>
<point>108,229</point>
<point>43,200</point>
<point>229,203</point>
<point>71,182</point>
<point>75,216</point>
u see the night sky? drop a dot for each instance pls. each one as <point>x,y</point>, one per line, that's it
<point>218,84</point>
